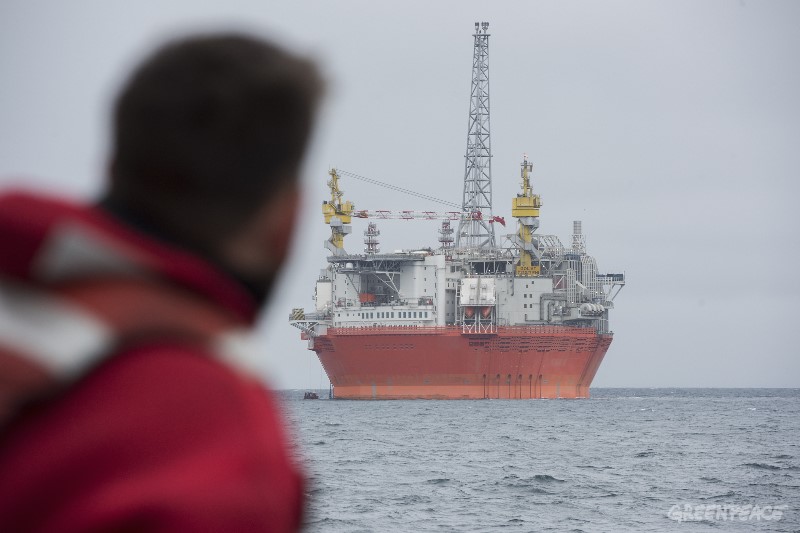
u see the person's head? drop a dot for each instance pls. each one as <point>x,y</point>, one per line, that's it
<point>208,137</point>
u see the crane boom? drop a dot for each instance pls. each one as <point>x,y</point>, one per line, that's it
<point>386,214</point>
<point>407,215</point>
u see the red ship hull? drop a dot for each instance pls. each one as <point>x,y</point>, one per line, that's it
<point>519,362</point>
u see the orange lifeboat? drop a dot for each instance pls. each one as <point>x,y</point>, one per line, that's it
<point>486,311</point>
<point>469,312</point>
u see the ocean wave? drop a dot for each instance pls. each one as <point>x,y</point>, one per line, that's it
<point>547,478</point>
<point>727,495</point>
<point>763,466</point>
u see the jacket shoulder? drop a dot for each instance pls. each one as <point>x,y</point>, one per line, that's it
<point>162,433</point>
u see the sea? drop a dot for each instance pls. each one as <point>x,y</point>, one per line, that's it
<point>623,460</point>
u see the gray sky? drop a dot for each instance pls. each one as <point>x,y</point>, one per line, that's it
<point>671,128</point>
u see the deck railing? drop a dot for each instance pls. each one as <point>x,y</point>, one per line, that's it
<point>456,330</point>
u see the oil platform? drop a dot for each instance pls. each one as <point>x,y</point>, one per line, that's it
<point>526,317</point>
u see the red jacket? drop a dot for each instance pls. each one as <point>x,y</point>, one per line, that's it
<point>123,405</point>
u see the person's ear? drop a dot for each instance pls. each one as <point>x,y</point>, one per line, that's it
<point>259,248</point>
<point>279,223</point>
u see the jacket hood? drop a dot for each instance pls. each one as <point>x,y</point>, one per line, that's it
<point>46,241</point>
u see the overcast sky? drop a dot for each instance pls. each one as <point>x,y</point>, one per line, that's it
<point>671,128</point>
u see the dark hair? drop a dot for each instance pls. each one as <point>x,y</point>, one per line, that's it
<point>205,128</point>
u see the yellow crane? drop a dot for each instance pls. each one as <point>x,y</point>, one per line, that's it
<point>525,208</point>
<point>338,214</point>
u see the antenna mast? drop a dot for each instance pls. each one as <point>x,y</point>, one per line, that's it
<point>474,229</point>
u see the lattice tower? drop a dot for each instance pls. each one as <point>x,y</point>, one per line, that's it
<point>474,229</point>
<point>371,241</point>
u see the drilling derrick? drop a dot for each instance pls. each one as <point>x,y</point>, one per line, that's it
<point>475,230</point>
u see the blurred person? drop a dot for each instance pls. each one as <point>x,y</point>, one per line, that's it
<point>126,401</point>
